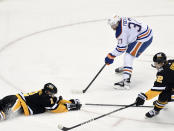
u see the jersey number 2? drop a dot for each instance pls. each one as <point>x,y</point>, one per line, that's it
<point>159,79</point>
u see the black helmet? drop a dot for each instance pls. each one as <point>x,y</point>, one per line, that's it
<point>160,58</point>
<point>50,88</point>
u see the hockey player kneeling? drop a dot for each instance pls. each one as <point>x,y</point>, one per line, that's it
<point>163,86</point>
<point>36,103</point>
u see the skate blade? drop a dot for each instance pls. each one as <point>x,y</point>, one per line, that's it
<point>117,87</point>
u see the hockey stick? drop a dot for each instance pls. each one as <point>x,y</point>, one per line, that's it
<point>114,105</point>
<point>93,119</point>
<point>94,78</point>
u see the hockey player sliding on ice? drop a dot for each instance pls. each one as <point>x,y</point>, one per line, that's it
<point>133,38</point>
<point>163,86</point>
<point>36,102</point>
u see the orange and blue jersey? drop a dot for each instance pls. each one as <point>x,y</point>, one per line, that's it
<point>144,34</point>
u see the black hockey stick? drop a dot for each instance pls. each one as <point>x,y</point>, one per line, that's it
<point>93,119</point>
<point>114,105</point>
<point>94,78</point>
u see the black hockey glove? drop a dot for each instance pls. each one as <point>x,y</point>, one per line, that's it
<point>59,99</point>
<point>140,99</point>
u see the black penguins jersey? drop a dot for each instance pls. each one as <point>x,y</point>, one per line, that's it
<point>38,101</point>
<point>164,80</point>
<point>164,77</point>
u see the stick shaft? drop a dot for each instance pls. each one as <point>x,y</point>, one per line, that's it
<point>94,78</point>
<point>93,119</point>
<point>114,105</point>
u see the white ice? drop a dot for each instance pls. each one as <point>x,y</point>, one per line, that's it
<point>65,42</point>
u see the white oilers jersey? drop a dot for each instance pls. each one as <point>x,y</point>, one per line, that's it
<point>129,31</point>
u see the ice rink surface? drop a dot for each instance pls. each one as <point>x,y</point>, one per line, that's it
<point>65,42</point>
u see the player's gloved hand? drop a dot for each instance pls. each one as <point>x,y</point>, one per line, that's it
<point>59,99</point>
<point>140,99</point>
<point>75,101</point>
<point>109,59</point>
<point>54,99</point>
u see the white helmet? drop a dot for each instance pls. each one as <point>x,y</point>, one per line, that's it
<point>114,20</point>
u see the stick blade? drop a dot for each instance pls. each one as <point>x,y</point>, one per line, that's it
<point>62,127</point>
<point>77,91</point>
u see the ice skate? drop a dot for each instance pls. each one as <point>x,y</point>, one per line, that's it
<point>151,113</point>
<point>124,84</point>
<point>119,69</point>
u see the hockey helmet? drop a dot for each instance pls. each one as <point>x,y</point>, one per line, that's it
<point>160,58</point>
<point>114,20</point>
<point>49,87</point>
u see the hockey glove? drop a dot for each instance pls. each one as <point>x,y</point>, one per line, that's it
<point>109,59</point>
<point>59,99</point>
<point>75,101</point>
<point>140,99</point>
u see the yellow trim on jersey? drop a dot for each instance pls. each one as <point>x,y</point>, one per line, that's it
<point>51,99</point>
<point>172,66</point>
<point>160,104</point>
<point>172,97</point>
<point>16,106</point>
<point>151,94</point>
<point>61,107</point>
<point>24,105</point>
<point>32,93</point>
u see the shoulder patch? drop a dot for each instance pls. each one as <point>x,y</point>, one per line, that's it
<point>172,66</point>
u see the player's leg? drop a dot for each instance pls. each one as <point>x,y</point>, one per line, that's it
<point>127,72</point>
<point>6,106</point>
<point>163,99</point>
<point>134,49</point>
<point>143,47</point>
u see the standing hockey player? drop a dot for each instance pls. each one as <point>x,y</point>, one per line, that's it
<point>36,102</point>
<point>163,86</point>
<point>133,38</point>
